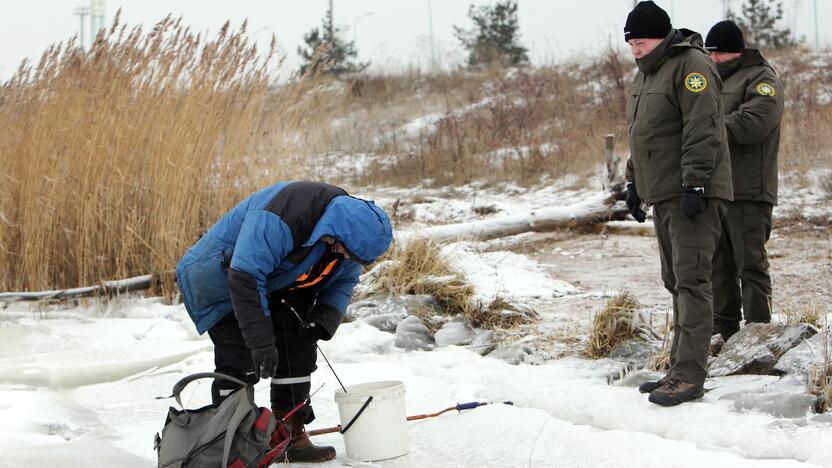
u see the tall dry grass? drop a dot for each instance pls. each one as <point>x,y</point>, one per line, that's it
<point>115,160</point>
<point>524,124</point>
<point>806,135</point>
<point>517,124</point>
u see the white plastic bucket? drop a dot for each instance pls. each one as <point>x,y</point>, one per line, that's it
<point>380,432</point>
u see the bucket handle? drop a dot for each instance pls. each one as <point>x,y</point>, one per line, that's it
<point>354,418</point>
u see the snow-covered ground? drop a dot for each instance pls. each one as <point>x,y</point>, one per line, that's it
<point>55,412</point>
<point>78,386</point>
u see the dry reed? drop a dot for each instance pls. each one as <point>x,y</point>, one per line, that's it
<point>661,360</point>
<point>619,321</point>
<point>418,268</point>
<point>501,314</point>
<point>117,159</point>
<point>811,313</point>
<point>819,381</point>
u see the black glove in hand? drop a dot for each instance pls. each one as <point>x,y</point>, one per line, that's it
<point>265,361</point>
<point>693,201</point>
<point>313,332</point>
<point>634,203</point>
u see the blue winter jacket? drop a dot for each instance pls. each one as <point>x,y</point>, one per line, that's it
<point>270,239</point>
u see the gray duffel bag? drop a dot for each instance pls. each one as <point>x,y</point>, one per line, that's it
<point>235,434</point>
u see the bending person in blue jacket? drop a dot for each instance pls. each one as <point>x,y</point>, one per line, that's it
<point>285,262</point>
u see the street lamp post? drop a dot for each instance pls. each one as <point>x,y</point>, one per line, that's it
<point>81,12</point>
<point>355,24</point>
<point>817,34</point>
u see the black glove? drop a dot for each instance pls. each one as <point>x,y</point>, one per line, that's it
<point>693,201</point>
<point>634,203</point>
<point>313,332</point>
<point>265,361</point>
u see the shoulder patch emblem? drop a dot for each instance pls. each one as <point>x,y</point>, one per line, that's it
<point>696,82</point>
<point>766,89</point>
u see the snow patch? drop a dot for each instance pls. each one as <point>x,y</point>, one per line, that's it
<point>506,275</point>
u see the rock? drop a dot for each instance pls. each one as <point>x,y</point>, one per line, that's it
<point>635,379</point>
<point>635,352</point>
<point>798,359</point>
<point>514,354</point>
<point>483,342</point>
<point>385,312</point>
<point>757,347</point>
<point>825,418</point>
<point>717,343</point>
<point>421,304</point>
<point>412,334</point>
<point>454,333</point>
<point>384,322</point>
<point>782,405</point>
<point>384,305</point>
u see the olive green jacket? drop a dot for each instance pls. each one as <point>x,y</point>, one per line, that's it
<point>752,98</point>
<point>674,113</point>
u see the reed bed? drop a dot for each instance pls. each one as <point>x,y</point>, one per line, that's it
<point>115,160</point>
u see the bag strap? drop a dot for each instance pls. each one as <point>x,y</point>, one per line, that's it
<point>178,387</point>
<point>237,418</point>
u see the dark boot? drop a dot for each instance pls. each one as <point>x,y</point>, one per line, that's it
<point>675,391</point>
<point>724,328</point>
<point>301,449</point>
<point>651,385</point>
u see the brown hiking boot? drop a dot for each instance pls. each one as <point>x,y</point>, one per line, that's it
<point>301,449</point>
<point>675,391</point>
<point>651,385</point>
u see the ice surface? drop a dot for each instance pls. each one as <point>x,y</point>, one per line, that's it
<point>455,332</point>
<point>412,334</point>
<point>565,413</point>
<point>811,351</point>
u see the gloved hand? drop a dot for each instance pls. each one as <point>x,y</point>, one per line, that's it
<point>312,333</point>
<point>634,203</point>
<point>265,361</point>
<point>693,201</point>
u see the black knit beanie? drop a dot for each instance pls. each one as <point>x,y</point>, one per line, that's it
<point>725,36</point>
<point>647,21</point>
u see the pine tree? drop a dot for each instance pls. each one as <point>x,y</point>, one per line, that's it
<point>758,20</point>
<point>495,35</point>
<point>326,52</point>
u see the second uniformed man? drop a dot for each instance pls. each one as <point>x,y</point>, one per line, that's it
<point>752,98</point>
<point>679,164</point>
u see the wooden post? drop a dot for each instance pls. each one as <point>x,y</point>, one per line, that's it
<point>612,161</point>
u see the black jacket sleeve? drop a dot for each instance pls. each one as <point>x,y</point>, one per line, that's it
<point>255,325</point>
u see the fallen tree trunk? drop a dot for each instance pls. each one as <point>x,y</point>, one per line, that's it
<point>599,208</point>
<point>106,288</point>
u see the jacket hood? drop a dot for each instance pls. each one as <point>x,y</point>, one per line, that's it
<point>676,42</point>
<point>752,57</point>
<point>361,226</point>
<point>686,38</point>
<point>748,58</point>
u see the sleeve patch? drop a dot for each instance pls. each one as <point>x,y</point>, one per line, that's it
<point>766,89</point>
<point>696,82</point>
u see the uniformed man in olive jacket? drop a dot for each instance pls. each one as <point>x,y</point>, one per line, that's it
<point>752,99</point>
<point>679,164</point>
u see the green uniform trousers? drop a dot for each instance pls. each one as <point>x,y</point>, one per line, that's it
<point>747,286</point>
<point>687,248</point>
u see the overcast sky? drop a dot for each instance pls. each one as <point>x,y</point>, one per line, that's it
<point>394,34</point>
